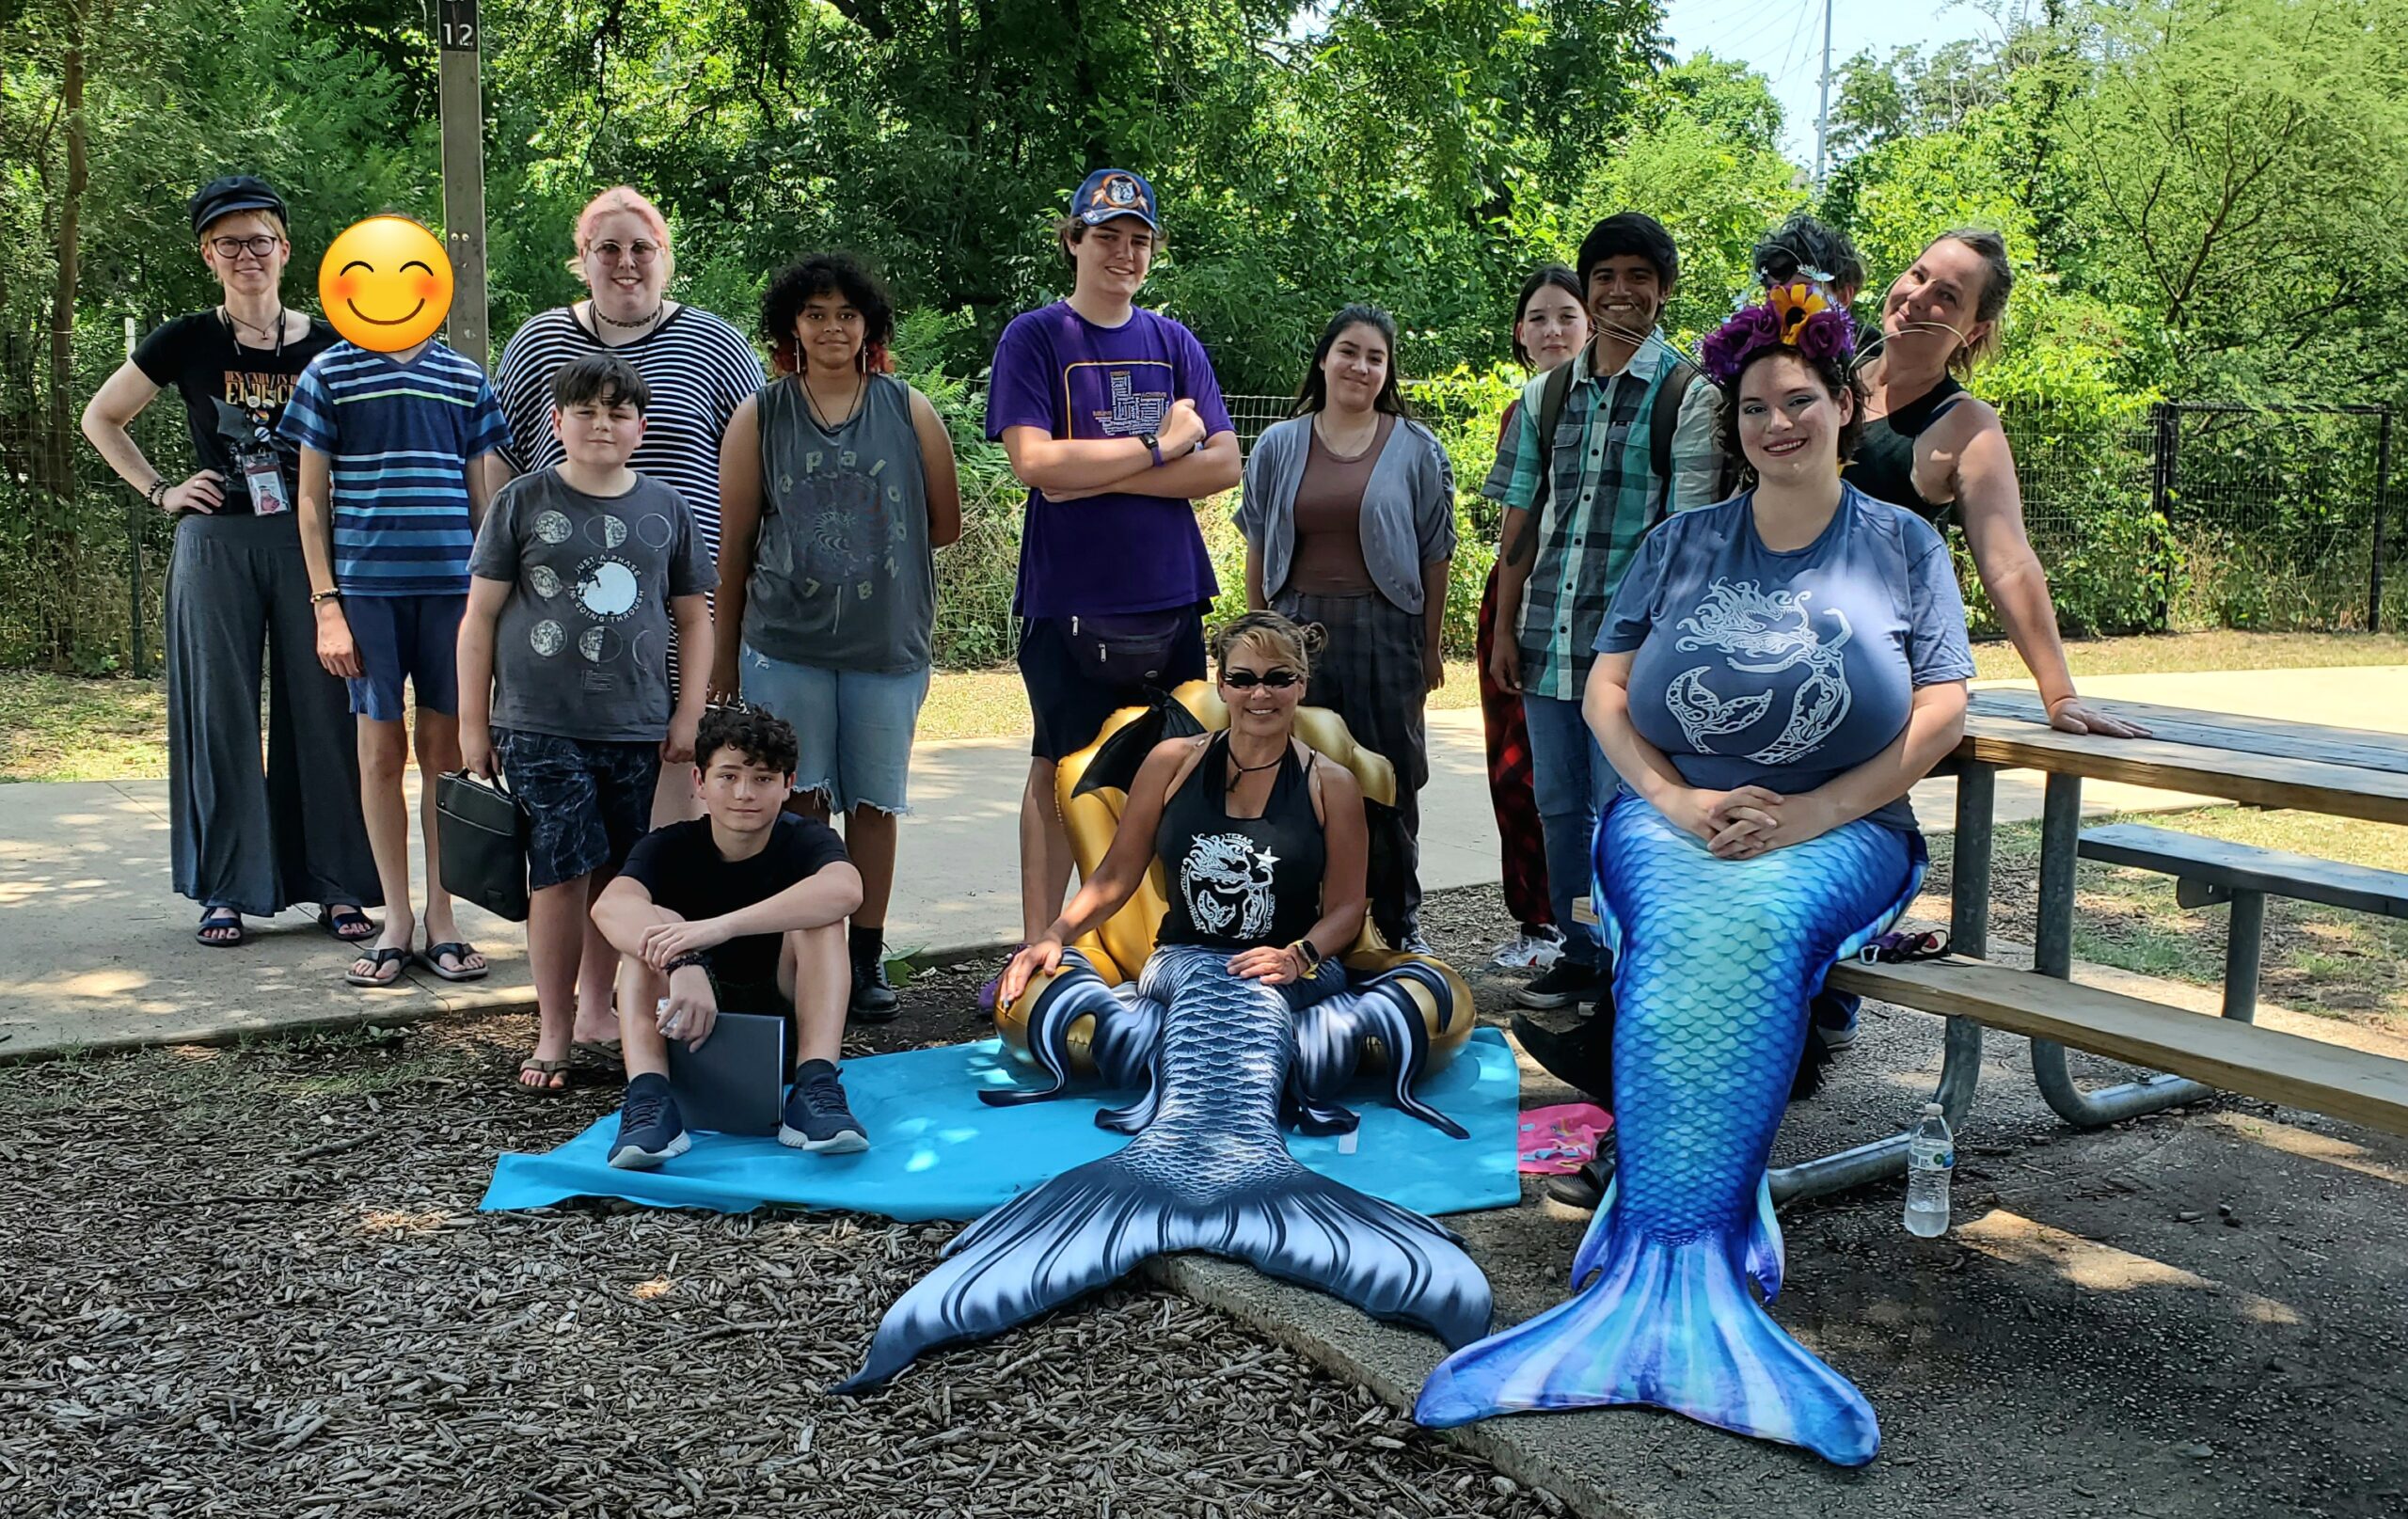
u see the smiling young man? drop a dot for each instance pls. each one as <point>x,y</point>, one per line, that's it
<point>1114,421</point>
<point>579,574</point>
<point>1628,425</point>
<point>740,910</point>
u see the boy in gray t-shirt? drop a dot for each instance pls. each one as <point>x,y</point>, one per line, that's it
<point>578,575</point>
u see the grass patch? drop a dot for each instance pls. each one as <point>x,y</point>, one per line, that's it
<point>65,728</point>
<point>2317,960</point>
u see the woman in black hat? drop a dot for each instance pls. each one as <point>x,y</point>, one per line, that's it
<point>244,841</point>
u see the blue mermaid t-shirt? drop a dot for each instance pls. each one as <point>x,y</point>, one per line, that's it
<point>1785,670</point>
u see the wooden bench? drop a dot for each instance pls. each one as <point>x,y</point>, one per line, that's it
<point>2223,1053</point>
<point>2209,871</point>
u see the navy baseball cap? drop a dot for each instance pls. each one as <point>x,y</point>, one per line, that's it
<point>236,192</point>
<point>1115,192</point>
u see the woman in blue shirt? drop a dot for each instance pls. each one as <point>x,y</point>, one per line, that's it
<point>1773,676</point>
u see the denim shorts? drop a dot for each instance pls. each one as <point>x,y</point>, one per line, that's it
<point>588,801</point>
<point>413,638</point>
<point>852,730</point>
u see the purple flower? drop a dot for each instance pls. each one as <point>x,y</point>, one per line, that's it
<point>1727,349</point>
<point>1825,335</point>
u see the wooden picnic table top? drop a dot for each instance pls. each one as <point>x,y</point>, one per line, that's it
<point>2344,772</point>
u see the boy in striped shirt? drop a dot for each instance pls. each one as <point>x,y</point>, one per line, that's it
<point>391,492</point>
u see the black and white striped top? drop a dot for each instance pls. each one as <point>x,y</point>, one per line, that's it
<point>699,368</point>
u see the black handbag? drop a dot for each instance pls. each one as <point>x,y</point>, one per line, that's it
<point>485,831</point>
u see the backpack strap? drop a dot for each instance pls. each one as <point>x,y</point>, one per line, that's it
<point>1663,421</point>
<point>1553,393</point>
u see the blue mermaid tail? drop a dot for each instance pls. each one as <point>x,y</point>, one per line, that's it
<point>1206,1170</point>
<point>1715,962</point>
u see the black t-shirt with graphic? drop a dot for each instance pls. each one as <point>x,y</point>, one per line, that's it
<point>228,389</point>
<point>684,871</point>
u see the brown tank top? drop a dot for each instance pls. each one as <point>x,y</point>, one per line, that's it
<point>1328,561</point>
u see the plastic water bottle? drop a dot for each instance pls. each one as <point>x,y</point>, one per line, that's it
<point>1931,1158</point>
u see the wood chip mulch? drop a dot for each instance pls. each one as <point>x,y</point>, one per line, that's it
<point>252,1281</point>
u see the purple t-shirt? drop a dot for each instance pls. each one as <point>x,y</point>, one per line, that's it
<point>1122,552</point>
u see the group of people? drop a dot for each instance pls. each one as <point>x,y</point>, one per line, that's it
<point>684,604</point>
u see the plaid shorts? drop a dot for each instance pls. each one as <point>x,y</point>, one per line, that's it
<point>589,801</point>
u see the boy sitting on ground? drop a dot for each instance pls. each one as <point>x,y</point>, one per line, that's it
<point>741,909</point>
<point>577,573</point>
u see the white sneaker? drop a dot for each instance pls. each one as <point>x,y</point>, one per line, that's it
<point>1416,944</point>
<point>1529,952</point>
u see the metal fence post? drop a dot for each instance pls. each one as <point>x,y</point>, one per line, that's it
<point>2381,505</point>
<point>2161,448</point>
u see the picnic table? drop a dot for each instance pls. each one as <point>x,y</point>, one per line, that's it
<point>2340,771</point>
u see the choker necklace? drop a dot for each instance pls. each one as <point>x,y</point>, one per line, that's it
<point>639,321</point>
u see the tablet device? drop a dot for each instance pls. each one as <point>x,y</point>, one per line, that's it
<point>736,1083</point>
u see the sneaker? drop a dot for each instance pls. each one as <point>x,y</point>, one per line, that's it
<point>1834,1014</point>
<point>873,999</point>
<point>1415,943</point>
<point>651,1130</point>
<point>1581,1058</point>
<point>818,1117</point>
<point>1533,949</point>
<point>1560,985</point>
<point>1581,1190</point>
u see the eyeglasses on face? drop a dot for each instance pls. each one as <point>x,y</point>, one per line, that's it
<point>614,252</point>
<point>1278,678</point>
<point>258,246</point>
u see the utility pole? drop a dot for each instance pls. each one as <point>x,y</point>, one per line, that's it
<point>1823,118</point>
<point>458,37</point>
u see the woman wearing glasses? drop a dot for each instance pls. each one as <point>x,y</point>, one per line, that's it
<point>245,840</point>
<point>698,366</point>
<point>1262,845</point>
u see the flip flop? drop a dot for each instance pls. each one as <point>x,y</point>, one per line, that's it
<point>555,1074</point>
<point>346,922</point>
<point>605,1051</point>
<point>221,918</point>
<point>378,959</point>
<point>458,950</point>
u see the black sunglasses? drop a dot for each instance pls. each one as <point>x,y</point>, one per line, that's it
<point>1246,680</point>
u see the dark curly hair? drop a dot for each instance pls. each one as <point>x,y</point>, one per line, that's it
<point>827,274</point>
<point>1835,375</point>
<point>1801,241</point>
<point>756,733</point>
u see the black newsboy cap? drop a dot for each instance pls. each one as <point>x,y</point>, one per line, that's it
<point>236,192</point>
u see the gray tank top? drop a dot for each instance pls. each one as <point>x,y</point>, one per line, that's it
<point>843,574</point>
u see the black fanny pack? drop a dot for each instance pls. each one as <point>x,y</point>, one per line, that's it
<point>1126,648</point>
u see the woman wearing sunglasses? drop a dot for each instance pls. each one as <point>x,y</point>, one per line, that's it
<point>1262,843</point>
<point>245,838</point>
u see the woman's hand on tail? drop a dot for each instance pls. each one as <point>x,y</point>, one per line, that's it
<point>1041,958</point>
<point>1270,964</point>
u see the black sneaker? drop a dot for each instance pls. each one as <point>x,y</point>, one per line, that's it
<point>873,999</point>
<point>651,1130</point>
<point>1584,1189</point>
<point>1560,985</point>
<point>818,1117</point>
<point>1581,1058</point>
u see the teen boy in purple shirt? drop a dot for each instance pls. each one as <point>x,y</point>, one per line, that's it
<point>1112,419</point>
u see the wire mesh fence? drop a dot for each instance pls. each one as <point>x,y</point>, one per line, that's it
<point>2152,517</point>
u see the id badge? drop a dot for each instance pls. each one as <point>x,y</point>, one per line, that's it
<point>264,479</point>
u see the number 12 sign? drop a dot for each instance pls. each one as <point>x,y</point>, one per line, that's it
<point>456,26</point>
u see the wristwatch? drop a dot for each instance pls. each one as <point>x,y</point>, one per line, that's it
<point>1153,445</point>
<point>1310,953</point>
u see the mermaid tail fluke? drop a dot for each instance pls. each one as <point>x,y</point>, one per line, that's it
<point>1669,1324</point>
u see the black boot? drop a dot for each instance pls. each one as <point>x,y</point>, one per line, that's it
<point>1581,1058</point>
<point>873,999</point>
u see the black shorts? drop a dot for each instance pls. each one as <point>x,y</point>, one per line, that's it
<point>588,800</point>
<point>1069,705</point>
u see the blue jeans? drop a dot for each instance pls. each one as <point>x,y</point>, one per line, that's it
<point>854,729</point>
<point>1572,782</point>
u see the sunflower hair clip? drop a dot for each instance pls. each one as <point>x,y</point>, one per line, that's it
<point>1796,315</point>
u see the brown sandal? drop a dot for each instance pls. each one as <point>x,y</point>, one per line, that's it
<point>555,1074</point>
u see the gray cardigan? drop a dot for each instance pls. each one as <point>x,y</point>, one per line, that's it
<point>1408,506</point>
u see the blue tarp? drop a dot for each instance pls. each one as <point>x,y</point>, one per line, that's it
<point>936,1151</point>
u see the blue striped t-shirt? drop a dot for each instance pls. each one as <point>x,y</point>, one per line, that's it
<point>399,437</point>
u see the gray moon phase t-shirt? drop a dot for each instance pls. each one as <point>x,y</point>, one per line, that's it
<point>581,650</point>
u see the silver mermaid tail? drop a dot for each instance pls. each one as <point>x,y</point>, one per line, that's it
<point>1716,959</point>
<point>1206,1170</point>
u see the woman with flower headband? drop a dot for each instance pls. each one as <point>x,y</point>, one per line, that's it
<point>1773,676</point>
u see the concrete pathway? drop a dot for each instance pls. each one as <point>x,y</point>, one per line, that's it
<point>96,951</point>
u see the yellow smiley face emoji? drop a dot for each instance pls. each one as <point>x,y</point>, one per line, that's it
<point>385,284</point>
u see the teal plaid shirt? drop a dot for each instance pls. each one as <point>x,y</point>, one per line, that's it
<point>1603,495</point>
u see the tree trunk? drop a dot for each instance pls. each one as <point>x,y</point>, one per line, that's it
<point>61,460</point>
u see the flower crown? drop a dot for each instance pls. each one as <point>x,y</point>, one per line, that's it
<point>1795,315</point>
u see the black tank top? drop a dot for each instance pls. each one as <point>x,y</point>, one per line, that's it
<point>1884,464</point>
<point>1237,882</point>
